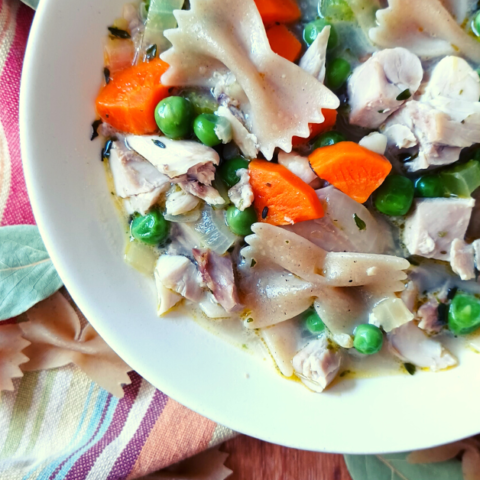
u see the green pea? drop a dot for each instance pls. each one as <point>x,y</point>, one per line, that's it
<point>240,223</point>
<point>476,24</point>
<point>206,127</point>
<point>174,117</point>
<point>312,30</point>
<point>151,229</point>
<point>430,186</point>
<point>395,195</point>
<point>464,314</point>
<point>313,322</point>
<point>328,138</point>
<point>368,339</point>
<point>337,73</point>
<point>228,170</point>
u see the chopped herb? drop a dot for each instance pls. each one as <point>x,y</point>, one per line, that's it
<point>151,52</point>
<point>264,213</point>
<point>253,263</point>
<point>158,143</point>
<point>106,149</point>
<point>451,293</point>
<point>345,372</point>
<point>442,312</point>
<point>95,126</point>
<point>442,234</point>
<point>106,74</point>
<point>413,261</point>
<point>407,157</point>
<point>410,368</point>
<point>244,346</point>
<point>405,95</point>
<point>359,222</point>
<point>381,111</point>
<point>249,320</point>
<point>118,33</point>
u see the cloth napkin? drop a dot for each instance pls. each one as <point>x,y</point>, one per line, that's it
<point>57,424</point>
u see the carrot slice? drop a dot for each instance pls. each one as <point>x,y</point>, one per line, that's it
<point>318,128</point>
<point>128,102</point>
<point>282,11</point>
<point>282,198</point>
<point>353,169</point>
<point>283,42</point>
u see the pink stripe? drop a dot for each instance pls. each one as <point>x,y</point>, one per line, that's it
<point>84,464</point>
<point>18,209</point>
<point>126,461</point>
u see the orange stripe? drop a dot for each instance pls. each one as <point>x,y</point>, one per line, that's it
<point>178,433</point>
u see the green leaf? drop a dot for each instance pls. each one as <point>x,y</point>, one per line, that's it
<point>396,467</point>
<point>27,275</point>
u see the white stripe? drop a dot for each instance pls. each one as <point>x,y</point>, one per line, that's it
<point>107,459</point>
<point>32,414</point>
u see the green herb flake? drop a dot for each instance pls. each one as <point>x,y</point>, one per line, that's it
<point>119,33</point>
<point>410,368</point>
<point>405,95</point>
<point>106,74</point>
<point>151,52</point>
<point>253,263</point>
<point>344,373</point>
<point>442,234</point>
<point>95,126</point>
<point>249,320</point>
<point>359,222</point>
<point>159,144</point>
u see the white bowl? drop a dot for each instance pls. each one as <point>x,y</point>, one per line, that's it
<point>82,231</point>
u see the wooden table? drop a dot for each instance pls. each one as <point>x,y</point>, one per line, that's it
<point>252,459</point>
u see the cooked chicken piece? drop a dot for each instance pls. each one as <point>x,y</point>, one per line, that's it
<point>411,344</point>
<point>313,60</point>
<point>172,157</point>
<point>132,175</point>
<point>339,230</point>
<point>241,194</point>
<point>198,182</point>
<point>375,141</point>
<point>428,316</point>
<point>410,295</point>
<point>298,165</point>
<point>454,78</point>
<point>281,341</point>
<point>433,225</point>
<point>211,308</point>
<point>390,313</point>
<point>462,259</point>
<point>143,202</point>
<point>317,364</point>
<point>180,202</point>
<point>445,120</point>
<point>177,274</point>
<point>375,85</point>
<point>217,273</point>
<point>246,141</point>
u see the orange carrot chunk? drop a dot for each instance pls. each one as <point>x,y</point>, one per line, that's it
<point>283,42</point>
<point>282,198</point>
<point>353,169</point>
<point>318,128</point>
<point>281,11</point>
<point>128,102</point>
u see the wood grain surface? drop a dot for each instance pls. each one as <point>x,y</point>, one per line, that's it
<point>252,459</point>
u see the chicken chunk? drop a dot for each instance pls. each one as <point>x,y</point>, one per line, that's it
<point>375,142</point>
<point>217,273</point>
<point>180,202</point>
<point>298,165</point>
<point>411,344</point>
<point>313,60</point>
<point>318,364</point>
<point>428,316</point>
<point>241,194</point>
<point>376,84</point>
<point>176,277</point>
<point>434,224</point>
<point>462,259</point>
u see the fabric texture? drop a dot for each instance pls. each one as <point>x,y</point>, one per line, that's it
<point>57,424</point>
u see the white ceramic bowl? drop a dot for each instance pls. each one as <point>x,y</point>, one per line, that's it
<point>83,234</point>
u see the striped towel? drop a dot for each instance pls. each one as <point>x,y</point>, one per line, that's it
<point>57,424</point>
